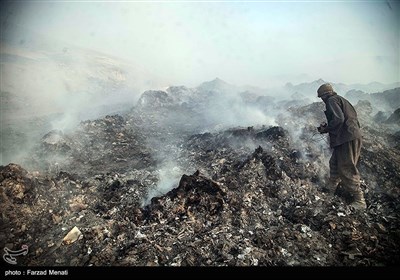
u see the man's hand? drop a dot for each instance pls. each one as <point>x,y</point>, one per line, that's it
<point>322,128</point>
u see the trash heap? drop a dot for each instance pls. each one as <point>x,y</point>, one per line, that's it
<point>245,196</point>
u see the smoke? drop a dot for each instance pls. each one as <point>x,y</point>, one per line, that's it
<point>168,178</point>
<point>54,85</point>
<point>227,106</point>
<point>231,112</point>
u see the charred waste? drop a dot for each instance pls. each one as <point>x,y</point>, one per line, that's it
<point>198,177</point>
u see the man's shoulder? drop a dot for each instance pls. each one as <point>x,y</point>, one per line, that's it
<point>335,99</point>
<point>337,96</point>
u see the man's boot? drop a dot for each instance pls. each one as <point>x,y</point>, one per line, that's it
<point>359,201</point>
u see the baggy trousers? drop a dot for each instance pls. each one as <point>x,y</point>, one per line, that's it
<point>343,165</point>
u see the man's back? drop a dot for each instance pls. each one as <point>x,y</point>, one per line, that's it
<point>342,118</point>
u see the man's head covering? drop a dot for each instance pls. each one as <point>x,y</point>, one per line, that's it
<point>325,88</point>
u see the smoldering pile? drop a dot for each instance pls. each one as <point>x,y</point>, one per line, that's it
<point>246,196</point>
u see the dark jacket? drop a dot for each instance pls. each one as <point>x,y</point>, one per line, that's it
<point>343,125</point>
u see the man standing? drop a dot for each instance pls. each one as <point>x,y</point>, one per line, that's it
<point>345,140</point>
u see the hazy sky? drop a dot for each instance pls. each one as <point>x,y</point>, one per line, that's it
<point>258,43</point>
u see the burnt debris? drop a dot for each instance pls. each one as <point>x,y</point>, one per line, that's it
<point>253,196</point>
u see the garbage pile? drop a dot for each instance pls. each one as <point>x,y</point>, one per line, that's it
<point>245,196</point>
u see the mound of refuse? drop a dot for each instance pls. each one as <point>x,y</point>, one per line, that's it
<point>232,196</point>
